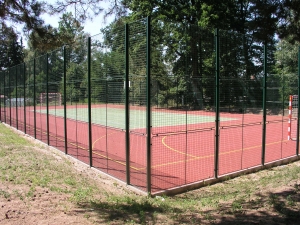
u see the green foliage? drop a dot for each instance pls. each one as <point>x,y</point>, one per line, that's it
<point>289,27</point>
<point>74,78</point>
<point>11,49</point>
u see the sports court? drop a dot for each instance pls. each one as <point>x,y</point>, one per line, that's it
<point>183,143</point>
<point>157,115</point>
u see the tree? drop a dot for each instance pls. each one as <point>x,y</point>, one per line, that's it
<point>87,9</point>
<point>11,49</point>
<point>11,54</point>
<point>27,13</point>
<point>289,26</point>
<point>74,79</point>
<point>286,67</point>
<point>186,16</point>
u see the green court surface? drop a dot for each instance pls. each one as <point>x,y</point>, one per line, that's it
<point>115,117</point>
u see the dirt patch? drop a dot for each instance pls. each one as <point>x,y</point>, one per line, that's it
<point>266,197</point>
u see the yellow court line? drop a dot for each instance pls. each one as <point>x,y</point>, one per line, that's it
<point>104,156</point>
<point>174,150</point>
<point>167,146</point>
<point>94,152</point>
<point>212,155</point>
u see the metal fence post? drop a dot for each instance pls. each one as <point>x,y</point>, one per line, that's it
<point>16,92</point>
<point>148,113</point>
<point>127,134</point>
<point>34,98</point>
<point>1,93</point>
<point>1,75</point>
<point>264,107</point>
<point>24,93</point>
<point>90,103</point>
<point>65,99</point>
<point>4,87</point>
<point>217,103</point>
<point>298,132</point>
<point>2,107</point>
<point>47,96</point>
<point>9,94</point>
<point>9,83</point>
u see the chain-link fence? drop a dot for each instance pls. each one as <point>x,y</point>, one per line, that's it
<point>163,107</point>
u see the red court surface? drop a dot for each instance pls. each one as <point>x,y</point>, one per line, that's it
<point>180,155</point>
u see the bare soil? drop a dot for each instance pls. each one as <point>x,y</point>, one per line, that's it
<point>267,204</point>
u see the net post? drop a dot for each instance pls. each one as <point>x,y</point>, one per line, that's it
<point>127,134</point>
<point>90,103</point>
<point>24,93</point>
<point>34,97</point>
<point>47,98</point>
<point>217,104</point>
<point>298,120</point>
<point>16,88</point>
<point>148,113</point>
<point>290,117</point>
<point>65,98</point>
<point>263,154</point>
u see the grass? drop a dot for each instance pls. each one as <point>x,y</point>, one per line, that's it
<point>263,197</point>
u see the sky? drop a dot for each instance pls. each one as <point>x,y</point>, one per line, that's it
<point>92,27</point>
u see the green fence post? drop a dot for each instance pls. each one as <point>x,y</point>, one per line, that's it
<point>3,86</point>
<point>127,134</point>
<point>47,96</point>
<point>298,133</point>
<point>8,95</point>
<point>9,82</point>
<point>16,88</point>
<point>148,113</point>
<point>24,93</point>
<point>1,93</point>
<point>90,103</point>
<point>34,98</point>
<point>65,99</point>
<point>2,107</point>
<point>217,103</point>
<point>4,93</point>
<point>263,154</point>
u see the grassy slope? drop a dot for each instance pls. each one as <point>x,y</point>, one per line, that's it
<point>267,197</point>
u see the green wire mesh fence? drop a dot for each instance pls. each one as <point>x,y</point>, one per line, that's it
<point>163,107</point>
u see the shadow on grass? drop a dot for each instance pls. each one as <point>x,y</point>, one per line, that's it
<point>126,210</point>
<point>272,208</point>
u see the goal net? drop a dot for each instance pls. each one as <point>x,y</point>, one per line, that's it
<point>53,99</point>
<point>293,117</point>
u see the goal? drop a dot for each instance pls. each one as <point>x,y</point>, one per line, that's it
<point>53,99</point>
<point>293,117</point>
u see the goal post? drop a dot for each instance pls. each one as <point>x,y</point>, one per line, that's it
<point>54,99</point>
<point>293,117</point>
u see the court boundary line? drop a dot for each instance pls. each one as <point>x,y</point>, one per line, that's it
<point>167,146</point>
